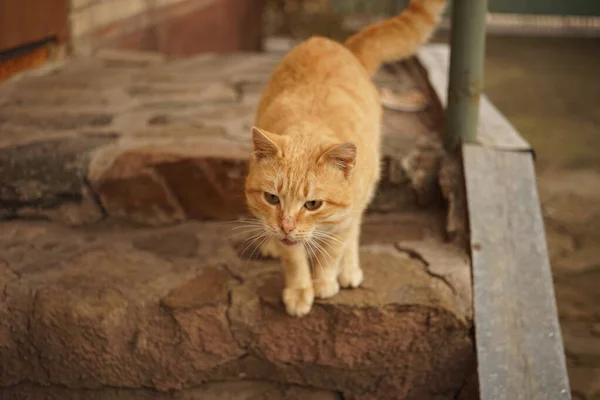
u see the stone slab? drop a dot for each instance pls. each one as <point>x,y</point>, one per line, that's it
<point>110,307</point>
<point>242,390</point>
<point>160,141</point>
<point>49,178</point>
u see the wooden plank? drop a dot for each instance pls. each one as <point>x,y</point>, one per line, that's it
<point>519,345</point>
<point>494,129</point>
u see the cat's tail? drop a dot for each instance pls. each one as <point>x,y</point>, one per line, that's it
<point>398,37</point>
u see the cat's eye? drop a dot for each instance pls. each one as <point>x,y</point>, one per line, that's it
<point>271,198</point>
<point>313,204</point>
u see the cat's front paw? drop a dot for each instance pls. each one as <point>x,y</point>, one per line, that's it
<point>350,277</point>
<point>325,289</point>
<point>298,301</point>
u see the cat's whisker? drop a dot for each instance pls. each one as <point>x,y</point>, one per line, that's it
<point>234,235</point>
<point>251,240</point>
<point>244,220</point>
<point>311,257</point>
<point>328,236</point>
<point>331,259</point>
<point>320,232</point>
<point>314,253</point>
<point>237,221</point>
<point>323,251</point>
<point>227,222</point>
<point>260,244</point>
<point>237,228</point>
<point>324,241</point>
<point>246,247</point>
<point>248,227</point>
<point>256,247</point>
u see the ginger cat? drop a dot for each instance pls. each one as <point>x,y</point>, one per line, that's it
<point>315,164</point>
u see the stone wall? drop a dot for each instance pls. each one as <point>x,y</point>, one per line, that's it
<point>174,27</point>
<point>332,18</point>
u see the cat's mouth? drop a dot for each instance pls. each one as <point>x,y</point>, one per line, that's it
<point>288,242</point>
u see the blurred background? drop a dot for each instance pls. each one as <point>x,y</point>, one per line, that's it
<point>542,71</point>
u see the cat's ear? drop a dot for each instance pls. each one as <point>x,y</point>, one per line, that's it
<point>264,146</point>
<point>343,156</point>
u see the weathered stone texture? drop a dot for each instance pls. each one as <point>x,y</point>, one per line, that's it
<point>164,141</point>
<point>112,311</point>
<point>242,390</point>
<point>94,311</point>
<point>49,177</point>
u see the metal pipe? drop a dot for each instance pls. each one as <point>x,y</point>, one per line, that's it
<point>467,45</point>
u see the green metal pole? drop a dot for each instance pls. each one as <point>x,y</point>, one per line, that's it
<point>467,45</point>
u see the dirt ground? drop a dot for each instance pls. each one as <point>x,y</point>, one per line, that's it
<point>549,88</point>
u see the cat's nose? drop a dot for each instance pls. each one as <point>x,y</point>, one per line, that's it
<point>288,225</point>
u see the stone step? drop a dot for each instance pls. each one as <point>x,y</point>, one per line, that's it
<point>232,390</point>
<point>114,309</point>
<point>160,141</point>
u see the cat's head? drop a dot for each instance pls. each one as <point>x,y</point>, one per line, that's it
<point>299,191</point>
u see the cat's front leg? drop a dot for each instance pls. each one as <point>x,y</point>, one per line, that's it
<point>298,295</point>
<point>350,273</point>
<point>326,264</point>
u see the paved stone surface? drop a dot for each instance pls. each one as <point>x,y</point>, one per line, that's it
<point>94,308</point>
<point>159,141</point>
<point>111,309</point>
